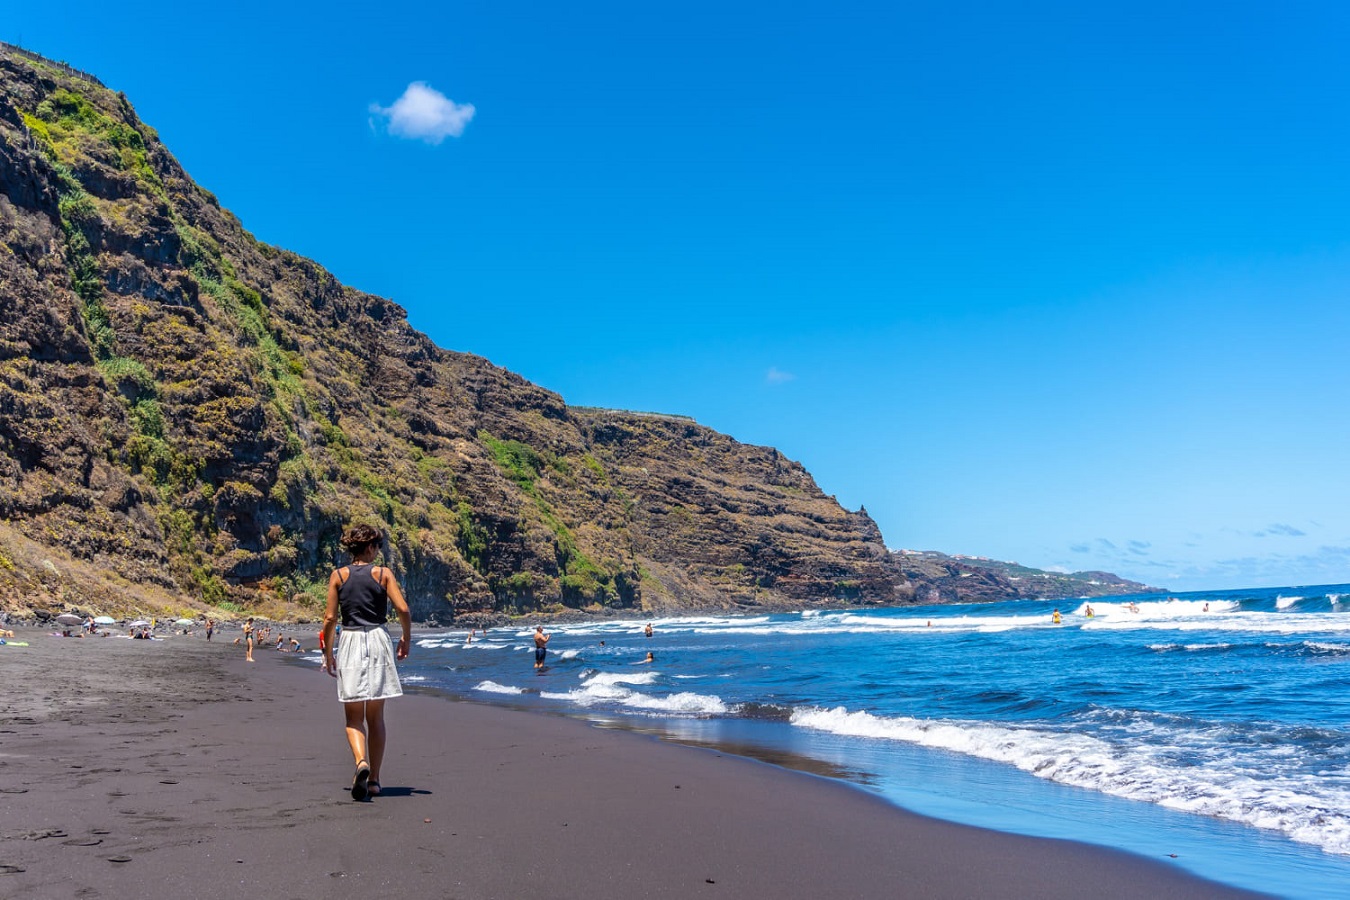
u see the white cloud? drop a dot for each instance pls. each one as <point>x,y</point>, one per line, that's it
<point>425,114</point>
<point>776,375</point>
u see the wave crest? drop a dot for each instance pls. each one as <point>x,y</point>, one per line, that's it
<point>1302,811</point>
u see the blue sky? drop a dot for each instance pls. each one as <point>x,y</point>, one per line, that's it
<point>1062,283</point>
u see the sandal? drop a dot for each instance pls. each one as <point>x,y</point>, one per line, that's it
<point>361,784</point>
<point>372,788</point>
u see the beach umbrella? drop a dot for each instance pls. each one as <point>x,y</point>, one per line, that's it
<point>182,621</point>
<point>104,620</point>
<point>69,619</point>
<point>139,623</point>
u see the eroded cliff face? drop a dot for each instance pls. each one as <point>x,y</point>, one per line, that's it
<point>184,407</point>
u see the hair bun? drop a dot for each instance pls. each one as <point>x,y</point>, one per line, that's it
<point>359,537</point>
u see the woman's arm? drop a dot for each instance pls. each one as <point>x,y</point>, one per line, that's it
<point>401,609</point>
<point>330,620</point>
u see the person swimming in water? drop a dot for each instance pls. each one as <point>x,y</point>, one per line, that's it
<point>1054,616</point>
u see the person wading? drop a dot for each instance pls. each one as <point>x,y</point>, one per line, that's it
<point>359,595</point>
<point>540,646</point>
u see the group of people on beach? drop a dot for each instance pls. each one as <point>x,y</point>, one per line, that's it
<point>140,630</point>
<point>253,636</point>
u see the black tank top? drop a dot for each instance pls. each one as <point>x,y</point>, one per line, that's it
<point>363,600</point>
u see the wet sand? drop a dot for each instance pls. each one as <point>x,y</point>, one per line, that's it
<point>175,769</point>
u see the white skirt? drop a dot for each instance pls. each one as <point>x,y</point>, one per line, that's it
<point>365,666</point>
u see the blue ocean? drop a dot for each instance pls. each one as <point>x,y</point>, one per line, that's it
<point>1212,728</point>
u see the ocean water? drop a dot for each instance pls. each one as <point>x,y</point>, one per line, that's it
<point>1209,728</point>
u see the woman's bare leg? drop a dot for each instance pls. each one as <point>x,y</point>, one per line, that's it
<point>356,730</point>
<point>375,728</point>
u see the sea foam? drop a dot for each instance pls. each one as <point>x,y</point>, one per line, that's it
<point>492,687</point>
<point>1305,809</point>
<point>616,688</point>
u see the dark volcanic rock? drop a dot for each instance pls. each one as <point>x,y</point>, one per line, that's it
<point>184,406</point>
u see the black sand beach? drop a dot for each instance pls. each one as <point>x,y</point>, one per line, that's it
<point>175,769</point>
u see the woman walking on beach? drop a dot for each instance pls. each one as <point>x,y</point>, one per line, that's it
<point>359,595</point>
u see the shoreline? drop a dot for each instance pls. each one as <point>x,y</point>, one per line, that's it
<point>175,768</point>
<point>31,616</point>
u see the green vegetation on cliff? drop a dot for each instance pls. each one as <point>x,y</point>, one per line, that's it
<point>189,416</point>
<point>187,411</point>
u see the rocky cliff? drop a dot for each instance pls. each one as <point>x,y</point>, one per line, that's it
<point>935,577</point>
<point>190,414</point>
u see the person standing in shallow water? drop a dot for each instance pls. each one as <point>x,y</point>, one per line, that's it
<point>540,646</point>
<point>359,595</point>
